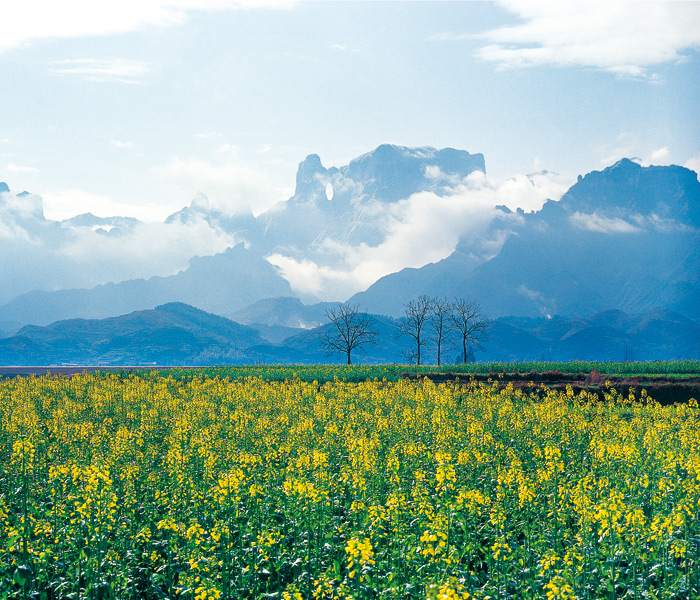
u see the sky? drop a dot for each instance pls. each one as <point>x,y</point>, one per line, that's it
<point>133,107</point>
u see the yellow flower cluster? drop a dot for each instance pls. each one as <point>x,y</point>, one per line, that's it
<point>197,486</point>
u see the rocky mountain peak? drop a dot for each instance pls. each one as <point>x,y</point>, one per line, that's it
<point>670,193</point>
<point>310,176</point>
<point>390,172</point>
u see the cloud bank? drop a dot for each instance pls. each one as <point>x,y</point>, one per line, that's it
<point>24,22</point>
<point>421,229</point>
<point>46,254</point>
<point>116,69</point>
<point>230,185</point>
<point>624,38</point>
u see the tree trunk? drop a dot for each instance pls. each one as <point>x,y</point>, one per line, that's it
<point>349,361</point>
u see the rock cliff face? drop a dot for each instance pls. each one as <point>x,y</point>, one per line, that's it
<point>342,204</point>
<point>387,174</point>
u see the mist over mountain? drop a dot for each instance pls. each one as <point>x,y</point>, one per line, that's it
<point>220,284</point>
<point>346,226</point>
<point>343,204</point>
<point>318,240</point>
<point>625,238</point>
<point>84,251</point>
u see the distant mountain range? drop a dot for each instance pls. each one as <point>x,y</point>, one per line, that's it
<point>625,238</point>
<point>221,284</point>
<point>558,282</point>
<point>178,334</point>
<point>342,205</point>
<point>174,333</point>
<point>329,206</point>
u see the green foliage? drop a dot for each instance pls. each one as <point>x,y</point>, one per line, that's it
<point>392,372</point>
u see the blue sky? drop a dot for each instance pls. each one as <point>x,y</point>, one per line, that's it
<point>134,107</point>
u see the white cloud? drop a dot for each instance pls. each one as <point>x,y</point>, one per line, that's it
<point>144,250</point>
<point>42,254</point>
<point>693,164</point>
<point>659,156</point>
<point>230,185</point>
<point>421,229</point>
<point>602,224</point>
<point>69,203</point>
<point>628,145</point>
<point>625,38</point>
<point>229,149</point>
<point>118,144</point>
<point>116,69</point>
<point>10,231</point>
<point>20,168</point>
<point>24,22</point>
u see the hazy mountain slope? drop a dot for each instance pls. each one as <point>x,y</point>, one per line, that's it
<point>219,284</point>
<point>608,335</point>
<point>177,334</point>
<point>171,334</point>
<point>285,311</point>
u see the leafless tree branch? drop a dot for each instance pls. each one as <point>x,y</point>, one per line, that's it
<point>348,330</point>
<point>417,316</point>
<point>469,323</point>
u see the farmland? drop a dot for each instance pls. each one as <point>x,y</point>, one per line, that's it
<point>336,483</point>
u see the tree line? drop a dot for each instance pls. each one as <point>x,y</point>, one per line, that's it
<point>445,323</point>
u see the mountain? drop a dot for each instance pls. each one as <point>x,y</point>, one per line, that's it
<point>277,319</point>
<point>172,334</point>
<point>609,335</point>
<point>87,260</point>
<point>625,238</point>
<point>218,284</point>
<point>286,311</point>
<point>178,334</point>
<point>346,205</point>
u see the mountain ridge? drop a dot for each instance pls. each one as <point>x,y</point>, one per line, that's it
<point>178,334</point>
<point>625,237</point>
<point>595,249</point>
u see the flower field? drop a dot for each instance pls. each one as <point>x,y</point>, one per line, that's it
<point>201,486</point>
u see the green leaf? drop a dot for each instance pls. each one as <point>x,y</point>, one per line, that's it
<point>23,574</point>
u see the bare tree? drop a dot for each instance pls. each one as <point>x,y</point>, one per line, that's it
<point>348,330</point>
<point>417,315</point>
<point>440,323</point>
<point>469,323</point>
